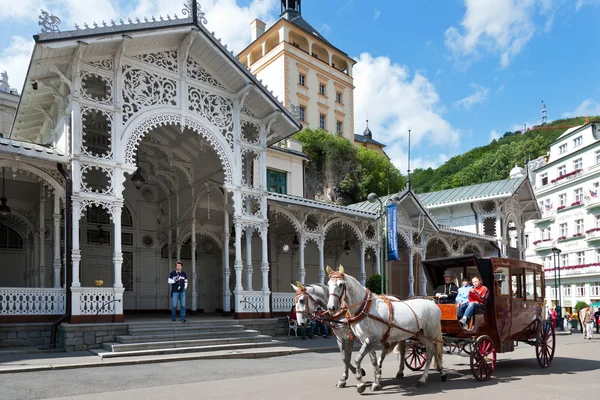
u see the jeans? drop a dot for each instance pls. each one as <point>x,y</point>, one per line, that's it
<point>588,330</point>
<point>303,329</point>
<point>313,328</point>
<point>468,309</point>
<point>181,297</point>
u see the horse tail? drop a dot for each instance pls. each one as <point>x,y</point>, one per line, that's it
<point>439,346</point>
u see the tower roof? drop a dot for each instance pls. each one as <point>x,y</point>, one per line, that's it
<point>367,133</point>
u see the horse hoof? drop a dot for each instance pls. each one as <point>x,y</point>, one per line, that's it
<point>420,384</point>
<point>361,388</point>
<point>375,387</point>
<point>400,375</point>
<point>341,384</point>
<point>362,371</point>
<point>444,377</point>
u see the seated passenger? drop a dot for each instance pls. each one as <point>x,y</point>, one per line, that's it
<point>463,292</point>
<point>447,292</point>
<point>478,296</point>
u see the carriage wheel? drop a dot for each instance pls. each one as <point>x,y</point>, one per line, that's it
<point>415,355</point>
<point>545,344</point>
<point>483,358</point>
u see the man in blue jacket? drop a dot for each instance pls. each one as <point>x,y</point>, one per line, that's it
<point>179,282</point>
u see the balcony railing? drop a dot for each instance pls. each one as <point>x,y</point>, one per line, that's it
<point>571,270</point>
<point>32,301</point>
<point>544,244</point>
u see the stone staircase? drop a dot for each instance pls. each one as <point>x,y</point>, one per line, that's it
<point>160,338</point>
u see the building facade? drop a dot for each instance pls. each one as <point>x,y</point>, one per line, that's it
<point>566,186</point>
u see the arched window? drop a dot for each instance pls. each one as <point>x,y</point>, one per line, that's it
<point>126,219</point>
<point>9,239</point>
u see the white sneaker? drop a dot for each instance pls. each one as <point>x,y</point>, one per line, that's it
<point>463,323</point>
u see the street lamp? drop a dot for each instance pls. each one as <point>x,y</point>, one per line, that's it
<point>556,251</point>
<point>372,198</point>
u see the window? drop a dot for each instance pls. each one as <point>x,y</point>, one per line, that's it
<point>564,230</point>
<point>562,200</point>
<point>568,292</point>
<point>562,148</point>
<point>544,179</point>
<point>97,215</point>
<point>577,141</point>
<point>562,170</point>
<point>338,127</point>
<point>579,226</point>
<point>597,153</point>
<point>322,122</point>
<point>545,233</point>
<point>338,97</point>
<point>10,239</point>
<point>580,257</point>
<point>579,195</point>
<point>564,260</point>
<point>94,237</point>
<point>504,273</point>
<point>538,285</point>
<point>529,284</point>
<point>127,239</point>
<point>302,113</point>
<point>517,280</point>
<point>580,290</point>
<point>277,181</point>
<point>127,271</point>
<point>301,79</point>
<point>577,164</point>
<point>322,89</point>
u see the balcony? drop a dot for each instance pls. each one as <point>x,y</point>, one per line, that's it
<point>547,217</point>
<point>543,245</point>
<point>592,203</point>
<point>567,177</point>
<point>574,270</point>
<point>592,235</point>
<point>569,238</point>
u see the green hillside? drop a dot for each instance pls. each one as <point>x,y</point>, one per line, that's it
<point>493,161</point>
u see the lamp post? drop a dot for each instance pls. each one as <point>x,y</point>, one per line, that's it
<point>372,197</point>
<point>556,251</point>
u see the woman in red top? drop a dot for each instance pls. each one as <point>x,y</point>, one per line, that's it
<point>477,298</point>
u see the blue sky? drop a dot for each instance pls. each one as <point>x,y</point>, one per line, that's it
<point>455,72</point>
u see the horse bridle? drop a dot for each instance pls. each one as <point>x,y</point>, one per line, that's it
<point>304,292</point>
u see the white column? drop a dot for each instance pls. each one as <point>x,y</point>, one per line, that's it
<point>411,273</point>
<point>118,259</point>
<point>378,260</point>
<point>322,259</point>
<point>194,274</point>
<point>238,266</point>
<point>266,291</point>
<point>363,273</point>
<point>423,276</point>
<point>56,237</point>
<point>301,270</point>
<point>226,270</point>
<point>42,232</point>
<point>249,267</point>
<point>75,258</point>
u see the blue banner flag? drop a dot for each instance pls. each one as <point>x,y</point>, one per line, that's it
<point>392,232</point>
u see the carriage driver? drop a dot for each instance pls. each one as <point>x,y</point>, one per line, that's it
<point>447,292</point>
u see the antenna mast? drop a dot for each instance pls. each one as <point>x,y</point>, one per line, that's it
<point>544,114</point>
<point>408,176</point>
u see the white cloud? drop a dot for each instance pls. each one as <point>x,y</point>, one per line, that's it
<point>581,3</point>
<point>494,135</point>
<point>15,60</point>
<point>20,10</point>
<point>377,14</point>
<point>395,101</point>
<point>497,27</point>
<point>481,93</point>
<point>587,108</point>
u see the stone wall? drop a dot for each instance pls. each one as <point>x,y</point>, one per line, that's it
<point>82,337</point>
<point>271,326</point>
<point>25,335</point>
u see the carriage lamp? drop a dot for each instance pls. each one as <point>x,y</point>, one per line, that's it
<point>137,179</point>
<point>347,248</point>
<point>4,209</point>
<point>296,243</point>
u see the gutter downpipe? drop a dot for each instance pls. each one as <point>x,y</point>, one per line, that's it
<point>476,219</point>
<point>68,259</point>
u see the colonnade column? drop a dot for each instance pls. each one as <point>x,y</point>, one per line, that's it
<point>363,273</point>
<point>226,271</point>
<point>118,258</point>
<point>322,260</point>
<point>75,258</point>
<point>42,233</point>
<point>411,273</point>
<point>194,274</point>
<point>249,271</point>
<point>264,269</point>
<point>301,270</point>
<point>238,266</point>
<point>56,243</point>
<point>423,276</point>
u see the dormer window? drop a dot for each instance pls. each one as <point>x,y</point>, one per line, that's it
<point>562,148</point>
<point>577,141</point>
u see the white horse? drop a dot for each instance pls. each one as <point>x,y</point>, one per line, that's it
<point>371,322</point>
<point>307,299</point>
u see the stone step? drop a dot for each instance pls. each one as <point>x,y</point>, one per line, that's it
<point>176,336</point>
<point>215,329</point>
<point>126,347</point>
<point>195,322</point>
<point>194,349</point>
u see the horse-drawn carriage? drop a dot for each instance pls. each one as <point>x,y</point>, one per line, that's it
<point>513,313</point>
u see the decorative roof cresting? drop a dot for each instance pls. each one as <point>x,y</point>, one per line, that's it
<point>188,9</point>
<point>48,22</point>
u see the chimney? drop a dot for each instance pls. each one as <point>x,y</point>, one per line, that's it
<point>257,27</point>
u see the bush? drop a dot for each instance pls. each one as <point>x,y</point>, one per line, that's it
<point>580,305</point>
<point>374,284</point>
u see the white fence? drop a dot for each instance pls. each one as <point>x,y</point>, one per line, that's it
<point>251,301</point>
<point>97,301</point>
<point>32,301</point>
<point>283,302</point>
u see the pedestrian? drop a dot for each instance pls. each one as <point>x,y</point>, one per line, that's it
<point>597,318</point>
<point>567,322</point>
<point>553,315</point>
<point>179,283</point>
<point>586,320</point>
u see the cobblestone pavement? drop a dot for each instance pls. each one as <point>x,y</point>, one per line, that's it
<point>574,374</point>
